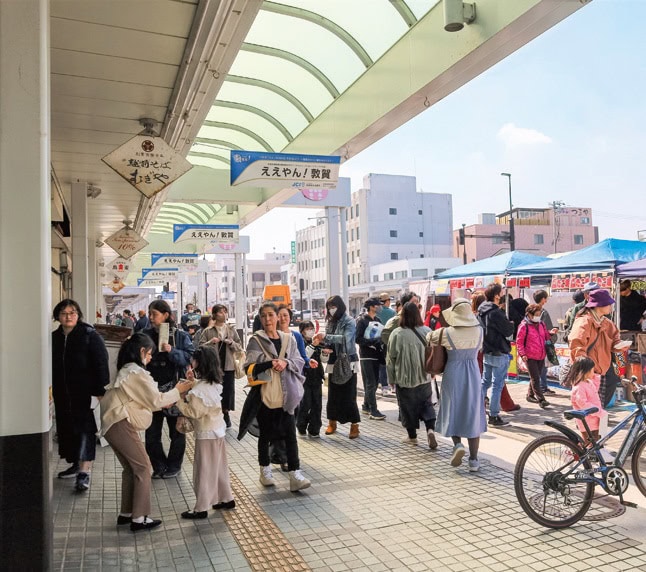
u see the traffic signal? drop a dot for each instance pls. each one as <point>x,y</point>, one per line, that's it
<point>461,235</point>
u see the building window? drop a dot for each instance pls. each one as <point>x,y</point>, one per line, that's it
<point>353,280</point>
<point>375,278</point>
<point>578,239</point>
<point>353,257</point>
<point>358,253</point>
<point>351,212</point>
<point>356,209</point>
<point>393,234</point>
<point>394,256</point>
<point>392,211</point>
<point>419,272</point>
<point>421,234</point>
<point>388,276</point>
<point>538,239</point>
<point>421,256</point>
<point>401,274</point>
<point>585,220</point>
<point>352,234</point>
<point>357,233</point>
<point>419,212</point>
<point>258,276</point>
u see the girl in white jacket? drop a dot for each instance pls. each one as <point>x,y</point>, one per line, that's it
<point>127,409</point>
<point>203,406</point>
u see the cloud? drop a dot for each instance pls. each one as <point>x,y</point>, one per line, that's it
<point>514,136</point>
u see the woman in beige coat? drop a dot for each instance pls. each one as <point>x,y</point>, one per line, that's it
<point>203,407</point>
<point>127,409</point>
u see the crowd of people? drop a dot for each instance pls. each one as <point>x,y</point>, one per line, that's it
<point>187,378</point>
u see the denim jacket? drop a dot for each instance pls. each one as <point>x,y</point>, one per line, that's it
<point>340,336</point>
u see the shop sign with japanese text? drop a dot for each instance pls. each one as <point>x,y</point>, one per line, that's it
<point>116,285</point>
<point>126,242</point>
<point>283,170</point>
<point>148,163</point>
<point>119,267</point>
<point>185,262</point>
<point>151,282</point>
<point>158,273</point>
<point>215,233</point>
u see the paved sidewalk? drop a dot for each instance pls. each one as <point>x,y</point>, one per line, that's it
<point>375,504</point>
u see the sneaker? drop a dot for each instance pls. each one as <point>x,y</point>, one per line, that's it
<point>301,433</point>
<point>385,392</point>
<point>193,515</point>
<point>147,524</point>
<point>543,404</point>
<point>314,435</point>
<point>432,441</point>
<point>82,481</point>
<point>297,481</point>
<point>69,472</point>
<point>532,399</point>
<point>225,505</point>
<point>171,474</point>
<point>497,421</point>
<point>410,441</point>
<point>458,453</point>
<point>549,391</point>
<point>267,477</point>
<point>474,465</point>
<point>158,475</point>
<point>377,416</point>
<point>365,411</point>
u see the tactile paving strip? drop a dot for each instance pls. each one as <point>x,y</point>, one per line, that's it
<point>263,544</point>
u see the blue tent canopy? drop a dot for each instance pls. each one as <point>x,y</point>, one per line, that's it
<point>604,255</point>
<point>494,266</point>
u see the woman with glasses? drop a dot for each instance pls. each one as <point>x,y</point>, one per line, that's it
<point>79,372</point>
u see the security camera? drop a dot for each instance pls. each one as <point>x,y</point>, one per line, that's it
<point>457,13</point>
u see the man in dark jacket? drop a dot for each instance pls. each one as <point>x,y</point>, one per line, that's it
<point>496,349</point>
<point>370,355</point>
<point>143,323</point>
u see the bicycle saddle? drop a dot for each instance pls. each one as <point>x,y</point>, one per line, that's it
<point>579,413</point>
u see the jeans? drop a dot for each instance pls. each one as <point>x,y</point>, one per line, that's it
<point>370,375</point>
<point>495,372</point>
<point>158,459</point>
<point>383,375</point>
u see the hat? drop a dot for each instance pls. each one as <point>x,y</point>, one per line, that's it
<point>372,302</point>
<point>590,286</point>
<point>384,296</point>
<point>460,314</point>
<point>434,309</point>
<point>598,298</point>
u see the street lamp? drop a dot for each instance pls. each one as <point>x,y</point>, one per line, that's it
<point>512,238</point>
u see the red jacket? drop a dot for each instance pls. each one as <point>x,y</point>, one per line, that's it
<point>531,338</point>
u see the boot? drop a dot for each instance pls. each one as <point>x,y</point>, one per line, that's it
<point>354,431</point>
<point>331,427</point>
<point>297,481</point>
<point>266,476</point>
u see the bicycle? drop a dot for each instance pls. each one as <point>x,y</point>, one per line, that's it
<point>556,475</point>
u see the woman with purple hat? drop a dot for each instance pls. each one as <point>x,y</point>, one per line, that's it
<point>595,336</point>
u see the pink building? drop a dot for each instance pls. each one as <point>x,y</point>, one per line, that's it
<point>539,231</point>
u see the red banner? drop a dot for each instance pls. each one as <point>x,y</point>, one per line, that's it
<point>560,283</point>
<point>525,282</point>
<point>604,279</point>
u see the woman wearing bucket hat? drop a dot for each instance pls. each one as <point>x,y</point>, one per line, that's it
<point>462,412</point>
<point>595,336</point>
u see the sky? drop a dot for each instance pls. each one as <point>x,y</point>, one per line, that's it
<point>565,115</point>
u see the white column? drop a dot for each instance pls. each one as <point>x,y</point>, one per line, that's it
<point>201,291</point>
<point>343,221</point>
<point>333,266</point>
<point>25,285</point>
<point>80,283</point>
<point>241,301</point>
<point>92,274</point>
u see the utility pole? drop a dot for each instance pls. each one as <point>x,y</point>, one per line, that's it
<point>556,206</point>
<point>512,236</point>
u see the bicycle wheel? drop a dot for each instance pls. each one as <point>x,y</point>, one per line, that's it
<point>546,495</point>
<point>638,464</point>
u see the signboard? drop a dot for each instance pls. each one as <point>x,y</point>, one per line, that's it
<point>217,233</point>
<point>560,283</point>
<point>116,285</point>
<point>158,273</point>
<point>151,282</point>
<point>186,262</point>
<point>293,252</point>
<point>283,170</point>
<point>604,279</point>
<point>573,282</point>
<point>119,267</point>
<point>126,242</point>
<point>148,163</point>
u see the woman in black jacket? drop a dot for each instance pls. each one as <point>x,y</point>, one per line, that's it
<point>79,372</point>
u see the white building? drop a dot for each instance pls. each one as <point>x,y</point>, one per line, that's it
<point>311,265</point>
<point>259,273</point>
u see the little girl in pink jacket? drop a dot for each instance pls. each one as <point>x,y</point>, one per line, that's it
<point>585,394</point>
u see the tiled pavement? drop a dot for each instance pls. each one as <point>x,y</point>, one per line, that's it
<point>375,504</point>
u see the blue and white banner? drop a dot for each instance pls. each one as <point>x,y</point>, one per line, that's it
<point>147,282</point>
<point>187,262</point>
<point>283,170</point>
<point>158,273</point>
<point>210,233</point>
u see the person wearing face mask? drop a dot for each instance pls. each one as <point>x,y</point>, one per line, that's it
<point>530,341</point>
<point>595,336</point>
<point>308,421</point>
<point>126,409</point>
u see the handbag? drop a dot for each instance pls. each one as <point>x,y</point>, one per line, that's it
<point>342,368</point>
<point>550,352</point>
<point>184,425</point>
<point>239,359</point>
<point>564,370</point>
<point>434,356</point>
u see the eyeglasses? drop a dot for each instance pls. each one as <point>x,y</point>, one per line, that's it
<point>68,314</point>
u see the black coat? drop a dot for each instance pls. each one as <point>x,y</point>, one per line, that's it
<point>79,371</point>
<point>497,329</point>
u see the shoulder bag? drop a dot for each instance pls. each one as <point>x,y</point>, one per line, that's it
<point>342,368</point>
<point>434,356</point>
<point>184,425</point>
<point>564,370</point>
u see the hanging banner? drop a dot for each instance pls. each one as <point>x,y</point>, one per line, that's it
<point>126,242</point>
<point>165,274</point>
<point>283,170</point>
<point>185,262</point>
<point>148,163</point>
<point>604,279</point>
<point>206,233</point>
<point>560,283</point>
<point>116,285</point>
<point>119,267</point>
